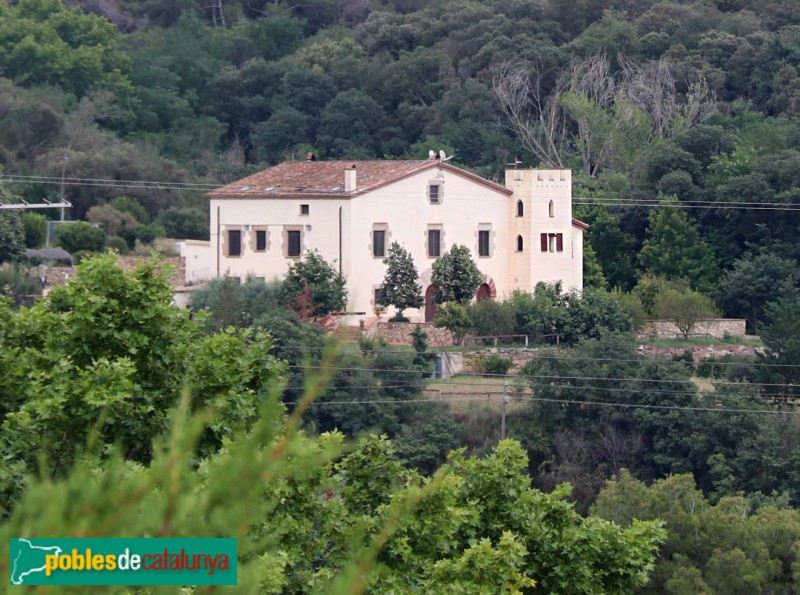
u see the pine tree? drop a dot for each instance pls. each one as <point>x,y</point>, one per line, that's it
<point>400,287</point>
<point>674,249</point>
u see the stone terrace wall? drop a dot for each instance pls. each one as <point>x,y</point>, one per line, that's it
<point>399,333</point>
<point>717,328</point>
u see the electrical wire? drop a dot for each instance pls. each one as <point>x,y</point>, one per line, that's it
<point>560,401</point>
<point>207,187</point>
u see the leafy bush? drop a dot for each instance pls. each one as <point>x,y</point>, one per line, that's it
<point>117,243</point>
<point>35,225</point>
<point>492,318</point>
<point>78,236</point>
<point>497,365</point>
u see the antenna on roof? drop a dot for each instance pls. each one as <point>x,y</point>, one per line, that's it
<point>431,154</point>
<point>443,156</point>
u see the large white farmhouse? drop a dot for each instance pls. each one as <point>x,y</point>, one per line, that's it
<point>351,211</point>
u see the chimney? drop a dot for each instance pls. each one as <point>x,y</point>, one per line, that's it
<point>350,178</point>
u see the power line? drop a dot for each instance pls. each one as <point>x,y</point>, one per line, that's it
<point>561,401</point>
<point>207,187</point>
<point>642,360</point>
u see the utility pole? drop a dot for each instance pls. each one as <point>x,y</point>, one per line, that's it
<point>505,407</point>
<point>61,191</point>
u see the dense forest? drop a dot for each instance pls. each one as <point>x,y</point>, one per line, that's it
<point>679,121</point>
<point>643,100</point>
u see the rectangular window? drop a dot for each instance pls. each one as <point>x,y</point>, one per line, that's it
<point>559,242</point>
<point>378,297</point>
<point>483,242</point>
<point>434,247</point>
<point>543,239</point>
<point>379,243</point>
<point>304,209</point>
<point>234,242</point>
<point>434,193</point>
<point>261,240</point>
<point>293,239</point>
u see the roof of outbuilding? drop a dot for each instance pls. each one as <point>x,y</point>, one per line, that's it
<point>325,179</point>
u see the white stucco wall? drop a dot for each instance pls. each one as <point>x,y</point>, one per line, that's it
<point>197,260</point>
<point>464,208</point>
<point>537,188</point>
<point>341,229</point>
<point>319,230</point>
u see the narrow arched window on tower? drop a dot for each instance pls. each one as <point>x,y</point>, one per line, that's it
<point>519,243</point>
<point>550,209</point>
<point>520,209</point>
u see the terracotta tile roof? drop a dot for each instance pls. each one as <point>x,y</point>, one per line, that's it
<point>325,179</point>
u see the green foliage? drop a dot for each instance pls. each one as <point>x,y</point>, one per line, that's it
<point>492,318</point>
<point>44,42</point>
<point>35,226</point>
<point>496,365</point>
<point>649,287</point>
<point>325,286</point>
<point>727,547</point>
<point>117,244</point>
<point>107,355</point>
<point>551,316</point>
<point>184,223</point>
<point>147,234</point>
<point>782,344</point>
<point>592,271</point>
<point>111,221</point>
<point>400,287</point>
<point>673,248</point>
<point>455,276</point>
<point>12,236</point>
<point>79,235</point>
<point>455,318</point>
<point>19,283</point>
<point>685,309</point>
<point>753,282</point>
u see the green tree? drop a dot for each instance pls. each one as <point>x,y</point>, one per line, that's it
<point>684,308</point>
<point>12,235</point>
<point>755,280</point>
<point>44,42</point>
<point>673,247</point>
<point>35,226</point>
<point>734,546</point>
<point>110,220</point>
<point>455,318</point>
<point>312,274</point>
<point>108,355</point>
<point>455,276</point>
<point>782,344</point>
<point>184,223</point>
<point>400,287</point>
<point>78,236</point>
<point>592,271</point>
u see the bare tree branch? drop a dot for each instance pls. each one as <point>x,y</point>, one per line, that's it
<point>536,119</point>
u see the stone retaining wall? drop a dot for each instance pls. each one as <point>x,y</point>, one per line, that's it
<point>718,328</point>
<point>399,333</point>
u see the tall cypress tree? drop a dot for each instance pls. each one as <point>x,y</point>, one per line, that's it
<point>400,287</point>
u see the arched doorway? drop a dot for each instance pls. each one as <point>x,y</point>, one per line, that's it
<point>484,293</point>
<point>430,307</point>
